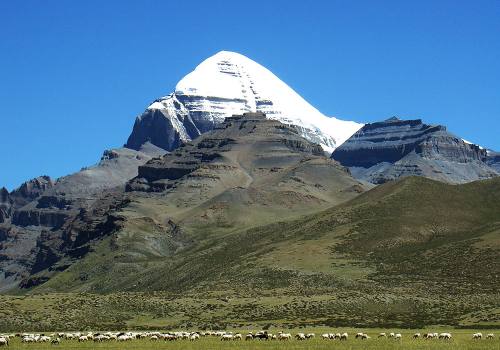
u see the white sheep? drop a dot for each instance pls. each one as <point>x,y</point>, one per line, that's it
<point>490,336</point>
<point>43,339</point>
<point>445,336</point>
<point>344,336</point>
<point>300,336</point>
<point>226,337</point>
<point>4,341</point>
<point>284,336</point>
<point>477,336</point>
<point>28,339</point>
<point>124,337</point>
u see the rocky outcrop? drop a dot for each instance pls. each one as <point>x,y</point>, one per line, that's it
<point>30,190</point>
<point>394,148</point>
<point>160,174</point>
<point>27,192</point>
<point>159,127</point>
<point>5,204</point>
<point>44,221</point>
<point>493,160</point>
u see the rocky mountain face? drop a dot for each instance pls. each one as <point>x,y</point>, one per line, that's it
<point>395,148</point>
<point>227,84</point>
<point>247,155</point>
<point>44,220</point>
<point>249,170</point>
<point>493,160</point>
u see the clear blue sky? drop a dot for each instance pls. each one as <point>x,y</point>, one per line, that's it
<point>75,74</point>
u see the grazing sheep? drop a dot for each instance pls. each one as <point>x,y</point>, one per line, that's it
<point>300,336</point>
<point>249,336</point>
<point>226,337</point>
<point>382,335</point>
<point>284,336</point>
<point>325,336</point>
<point>124,337</point>
<point>344,336</point>
<point>43,339</point>
<point>4,341</point>
<point>237,336</point>
<point>310,335</point>
<point>28,339</point>
<point>391,335</point>
<point>261,335</point>
<point>56,341</point>
<point>82,338</point>
<point>170,337</point>
<point>477,336</point>
<point>398,336</point>
<point>362,336</point>
<point>416,335</point>
<point>101,337</point>
<point>445,336</point>
<point>490,336</point>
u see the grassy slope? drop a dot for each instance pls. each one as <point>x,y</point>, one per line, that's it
<point>410,253</point>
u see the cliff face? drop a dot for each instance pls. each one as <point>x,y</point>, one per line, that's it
<point>387,150</point>
<point>251,132</point>
<point>44,222</point>
<point>493,160</point>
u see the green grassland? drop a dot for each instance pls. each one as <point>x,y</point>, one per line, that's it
<point>461,340</point>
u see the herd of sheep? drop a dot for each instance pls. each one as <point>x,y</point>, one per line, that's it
<point>57,338</point>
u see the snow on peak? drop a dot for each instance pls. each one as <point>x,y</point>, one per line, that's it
<point>229,83</point>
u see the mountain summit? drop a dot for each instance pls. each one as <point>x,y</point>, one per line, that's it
<point>226,84</point>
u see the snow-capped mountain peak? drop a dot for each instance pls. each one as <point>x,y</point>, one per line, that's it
<point>229,83</point>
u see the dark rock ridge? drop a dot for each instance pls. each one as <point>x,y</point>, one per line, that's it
<point>159,128</point>
<point>44,221</point>
<point>5,204</point>
<point>387,150</point>
<point>159,174</point>
<point>493,160</point>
